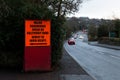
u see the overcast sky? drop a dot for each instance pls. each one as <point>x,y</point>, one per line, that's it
<point>106,9</point>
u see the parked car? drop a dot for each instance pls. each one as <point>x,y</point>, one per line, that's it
<point>71,41</point>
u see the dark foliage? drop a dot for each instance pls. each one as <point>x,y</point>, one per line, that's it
<point>12,21</point>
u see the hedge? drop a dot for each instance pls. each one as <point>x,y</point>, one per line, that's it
<point>12,33</point>
<point>110,41</point>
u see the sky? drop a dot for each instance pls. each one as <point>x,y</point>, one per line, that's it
<point>105,9</point>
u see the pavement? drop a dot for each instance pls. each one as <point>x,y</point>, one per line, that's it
<point>67,69</point>
<point>95,43</point>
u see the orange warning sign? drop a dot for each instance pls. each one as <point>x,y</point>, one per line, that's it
<point>37,33</point>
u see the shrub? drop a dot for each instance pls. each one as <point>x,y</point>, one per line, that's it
<point>58,33</point>
<point>12,32</point>
<point>110,41</point>
<point>115,39</point>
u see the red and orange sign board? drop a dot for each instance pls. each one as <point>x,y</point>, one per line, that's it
<point>37,33</point>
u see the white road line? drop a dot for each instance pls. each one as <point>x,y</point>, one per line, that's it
<point>114,56</point>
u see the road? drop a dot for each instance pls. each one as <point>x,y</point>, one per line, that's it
<point>101,63</point>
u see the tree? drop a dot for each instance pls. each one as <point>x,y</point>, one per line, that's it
<point>63,7</point>
<point>117,26</point>
<point>13,13</point>
<point>60,7</point>
<point>12,20</point>
<point>92,32</point>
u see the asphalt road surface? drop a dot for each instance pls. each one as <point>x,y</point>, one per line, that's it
<point>101,63</point>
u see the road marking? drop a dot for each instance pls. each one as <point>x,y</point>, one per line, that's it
<point>101,53</point>
<point>114,56</point>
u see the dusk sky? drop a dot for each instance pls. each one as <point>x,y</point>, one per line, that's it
<point>107,9</point>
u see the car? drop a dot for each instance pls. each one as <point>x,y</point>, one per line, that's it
<point>71,41</point>
<point>75,36</point>
<point>81,37</point>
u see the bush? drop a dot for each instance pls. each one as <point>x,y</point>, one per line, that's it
<point>110,41</point>
<point>12,32</point>
<point>91,38</point>
<point>115,39</point>
<point>57,39</point>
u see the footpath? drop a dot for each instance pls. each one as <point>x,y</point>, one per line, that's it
<point>104,45</point>
<point>67,69</point>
